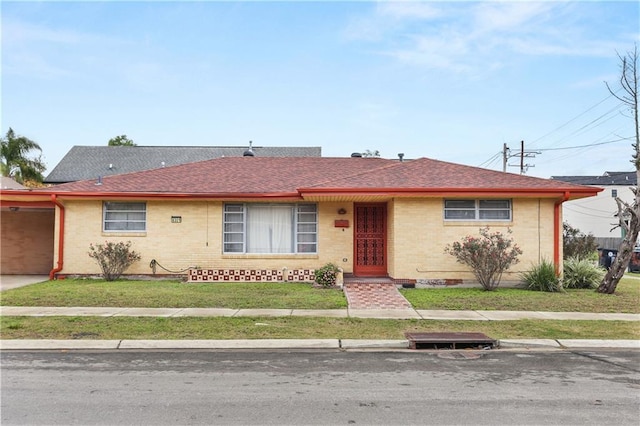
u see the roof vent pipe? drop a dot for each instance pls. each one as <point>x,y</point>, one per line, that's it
<point>99,181</point>
<point>249,152</point>
<point>356,155</point>
<point>400,156</point>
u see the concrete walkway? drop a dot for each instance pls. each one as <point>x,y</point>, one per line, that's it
<point>37,311</point>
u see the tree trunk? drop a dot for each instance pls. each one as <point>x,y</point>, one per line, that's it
<point>621,263</point>
<point>628,82</point>
<point>625,250</point>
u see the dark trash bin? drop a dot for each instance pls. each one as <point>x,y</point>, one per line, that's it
<point>607,256</point>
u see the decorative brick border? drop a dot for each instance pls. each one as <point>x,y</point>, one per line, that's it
<point>250,275</point>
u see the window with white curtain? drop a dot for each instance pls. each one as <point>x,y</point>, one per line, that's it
<point>270,228</point>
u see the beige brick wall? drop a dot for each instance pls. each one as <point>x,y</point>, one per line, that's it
<point>420,235</point>
<point>27,241</point>
<point>196,241</point>
<point>417,236</point>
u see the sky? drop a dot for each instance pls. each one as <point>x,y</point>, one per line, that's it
<point>453,81</point>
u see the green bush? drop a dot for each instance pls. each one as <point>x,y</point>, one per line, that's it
<point>581,273</point>
<point>326,275</point>
<point>542,277</point>
<point>113,258</point>
<point>488,256</point>
<point>576,243</point>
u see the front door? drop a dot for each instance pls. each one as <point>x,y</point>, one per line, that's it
<point>370,240</point>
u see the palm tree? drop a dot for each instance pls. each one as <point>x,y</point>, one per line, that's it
<point>15,161</point>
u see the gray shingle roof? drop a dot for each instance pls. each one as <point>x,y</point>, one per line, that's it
<point>608,178</point>
<point>90,162</point>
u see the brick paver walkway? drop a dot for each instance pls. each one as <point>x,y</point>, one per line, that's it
<point>374,295</point>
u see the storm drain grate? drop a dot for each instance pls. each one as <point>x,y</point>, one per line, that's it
<point>453,340</point>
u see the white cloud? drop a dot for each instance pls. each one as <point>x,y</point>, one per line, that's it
<point>15,33</point>
<point>408,10</point>
<point>491,17</point>
<point>473,37</point>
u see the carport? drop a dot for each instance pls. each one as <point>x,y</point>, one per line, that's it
<point>27,232</point>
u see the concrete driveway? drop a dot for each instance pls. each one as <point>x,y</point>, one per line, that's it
<point>8,282</point>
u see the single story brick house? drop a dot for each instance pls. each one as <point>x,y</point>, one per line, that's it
<point>278,219</point>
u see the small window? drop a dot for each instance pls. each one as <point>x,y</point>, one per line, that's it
<point>614,193</point>
<point>460,209</point>
<point>124,217</point>
<point>486,210</point>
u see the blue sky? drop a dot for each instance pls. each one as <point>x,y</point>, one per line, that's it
<point>452,81</point>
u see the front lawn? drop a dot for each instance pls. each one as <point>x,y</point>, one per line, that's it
<point>174,294</point>
<point>222,328</point>
<point>625,300</point>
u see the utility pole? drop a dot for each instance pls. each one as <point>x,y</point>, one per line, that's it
<point>506,154</point>
<point>505,157</point>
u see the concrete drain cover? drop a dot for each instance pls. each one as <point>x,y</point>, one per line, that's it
<point>449,340</point>
<point>459,355</point>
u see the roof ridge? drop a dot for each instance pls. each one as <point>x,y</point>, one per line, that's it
<point>364,172</point>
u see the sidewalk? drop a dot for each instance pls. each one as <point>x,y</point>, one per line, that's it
<point>332,313</point>
<point>336,344</point>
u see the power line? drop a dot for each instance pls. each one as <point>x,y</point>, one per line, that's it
<point>585,146</point>
<point>574,118</point>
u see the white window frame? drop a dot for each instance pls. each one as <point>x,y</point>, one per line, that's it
<point>234,231</point>
<point>477,212</point>
<point>114,213</point>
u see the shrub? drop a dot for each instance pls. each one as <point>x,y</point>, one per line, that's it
<point>113,258</point>
<point>326,275</point>
<point>542,277</point>
<point>581,273</point>
<point>576,243</point>
<point>488,256</point>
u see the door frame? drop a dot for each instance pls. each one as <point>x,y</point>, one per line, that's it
<point>369,272</point>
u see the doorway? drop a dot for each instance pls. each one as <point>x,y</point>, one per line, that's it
<point>370,240</point>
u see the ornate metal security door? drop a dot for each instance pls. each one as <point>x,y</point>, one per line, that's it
<point>370,240</point>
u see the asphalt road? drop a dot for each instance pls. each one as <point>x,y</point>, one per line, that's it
<point>320,387</point>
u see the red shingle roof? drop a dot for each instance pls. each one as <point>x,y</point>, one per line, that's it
<point>262,176</point>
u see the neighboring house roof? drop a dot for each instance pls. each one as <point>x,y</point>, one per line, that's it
<point>308,177</point>
<point>607,179</point>
<point>8,183</point>
<point>90,162</point>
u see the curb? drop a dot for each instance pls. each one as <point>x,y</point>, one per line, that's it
<point>346,344</point>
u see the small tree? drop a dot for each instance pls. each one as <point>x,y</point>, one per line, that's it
<point>371,153</point>
<point>626,211</point>
<point>16,161</point>
<point>488,255</point>
<point>576,243</point>
<point>113,258</point>
<point>121,140</point>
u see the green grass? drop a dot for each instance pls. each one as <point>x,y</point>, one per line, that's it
<point>173,294</point>
<point>625,300</point>
<point>302,296</point>
<point>298,328</point>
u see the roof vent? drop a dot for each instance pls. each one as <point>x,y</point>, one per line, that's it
<point>249,152</point>
<point>99,181</point>
<point>356,155</point>
<point>400,156</point>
